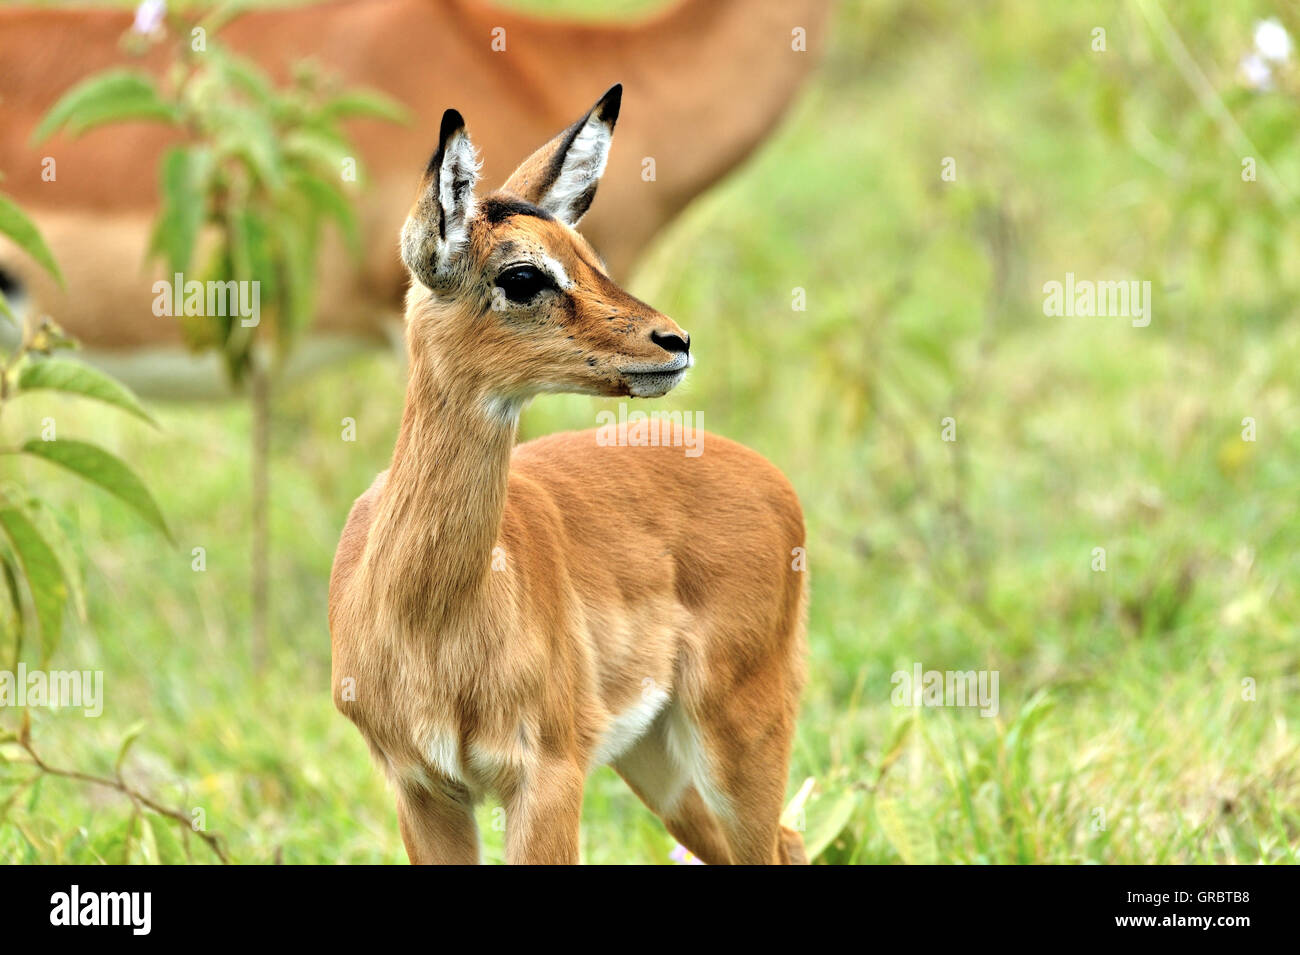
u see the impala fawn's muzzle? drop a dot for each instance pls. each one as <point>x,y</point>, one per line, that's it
<point>651,379</point>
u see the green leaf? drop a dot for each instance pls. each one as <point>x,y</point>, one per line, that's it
<point>827,818</point>
<point>297,260</point>
<point>367,103</point>
<point>1020,734</point>
<point>247,76</point>
<point>42,572</point>
<point>330,200</point>
<point>109,97</point>
<point>100,467</point>
<point>171,851</point>
<point>249,136</point>
<point>908,832</point>
<point>17,226</point>
<point>319,149</point>
<point>76,378</point>
<point>112,845</point>
<point>56,532</point>
<point>132,734</point>
<point>13,606</point>
<point>181,176</point>
<point>897,743</point>
<point>146,843</point>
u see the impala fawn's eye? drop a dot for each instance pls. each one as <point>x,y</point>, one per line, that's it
<point>522,283</point>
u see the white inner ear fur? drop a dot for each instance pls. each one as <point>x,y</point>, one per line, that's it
<point>456,181</point>
<point>584,164</point>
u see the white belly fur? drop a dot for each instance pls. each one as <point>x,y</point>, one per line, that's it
<point>626,728</point>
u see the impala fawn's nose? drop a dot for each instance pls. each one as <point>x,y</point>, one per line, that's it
<point>672,343</point>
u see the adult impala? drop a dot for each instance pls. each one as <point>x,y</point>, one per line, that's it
<point>714,76</point>
<point>505,618</point>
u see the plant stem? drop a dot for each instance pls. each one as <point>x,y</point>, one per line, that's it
<point>137,798</point>
<point>261,413</point>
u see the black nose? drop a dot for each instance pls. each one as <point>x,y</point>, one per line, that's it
<point>672,343</point>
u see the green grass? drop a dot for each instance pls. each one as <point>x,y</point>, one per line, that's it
<point>1122,736</point>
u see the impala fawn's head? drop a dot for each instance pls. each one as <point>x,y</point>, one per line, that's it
<point>510,296</point>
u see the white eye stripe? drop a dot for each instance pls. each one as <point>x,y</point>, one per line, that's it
<point>556,272</point>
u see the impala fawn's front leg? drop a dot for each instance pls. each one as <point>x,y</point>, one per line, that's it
<point>543,813</point>
<point>437,828</point>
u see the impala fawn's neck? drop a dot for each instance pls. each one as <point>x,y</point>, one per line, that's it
<point>430,548</point>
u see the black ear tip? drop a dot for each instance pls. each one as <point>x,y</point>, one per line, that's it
<point>452,122</point>
<point>607,108</point>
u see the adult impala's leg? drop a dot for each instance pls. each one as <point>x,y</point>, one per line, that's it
<point>437,828</point>
<point>543,813</point>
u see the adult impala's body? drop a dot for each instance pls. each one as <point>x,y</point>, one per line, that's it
<point>504,618</point>
<point>713,78</point>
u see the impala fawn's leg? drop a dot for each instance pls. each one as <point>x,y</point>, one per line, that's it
<point>690,823</point>
<point>437,828</point>
<point>665,788</point>
<point>752,782</point>
<point>543,813</point>
<point>739,747</point>
<point>790,847</point>
<point>754,775</point>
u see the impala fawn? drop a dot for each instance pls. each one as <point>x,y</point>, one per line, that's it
<point>506,618</point>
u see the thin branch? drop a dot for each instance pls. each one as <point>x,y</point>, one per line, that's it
<point>138,799</point>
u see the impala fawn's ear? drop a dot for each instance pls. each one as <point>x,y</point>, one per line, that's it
<point>438,226</point>
<point>561,177</point>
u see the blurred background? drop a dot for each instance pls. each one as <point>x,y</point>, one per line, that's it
<point>1145,710</point>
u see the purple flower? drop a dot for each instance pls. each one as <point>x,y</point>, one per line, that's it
<point>1255,72</point>
<point>149,16</point>
<point>682,856</point>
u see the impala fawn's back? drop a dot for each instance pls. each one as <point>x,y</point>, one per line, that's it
<point>504,619</point>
